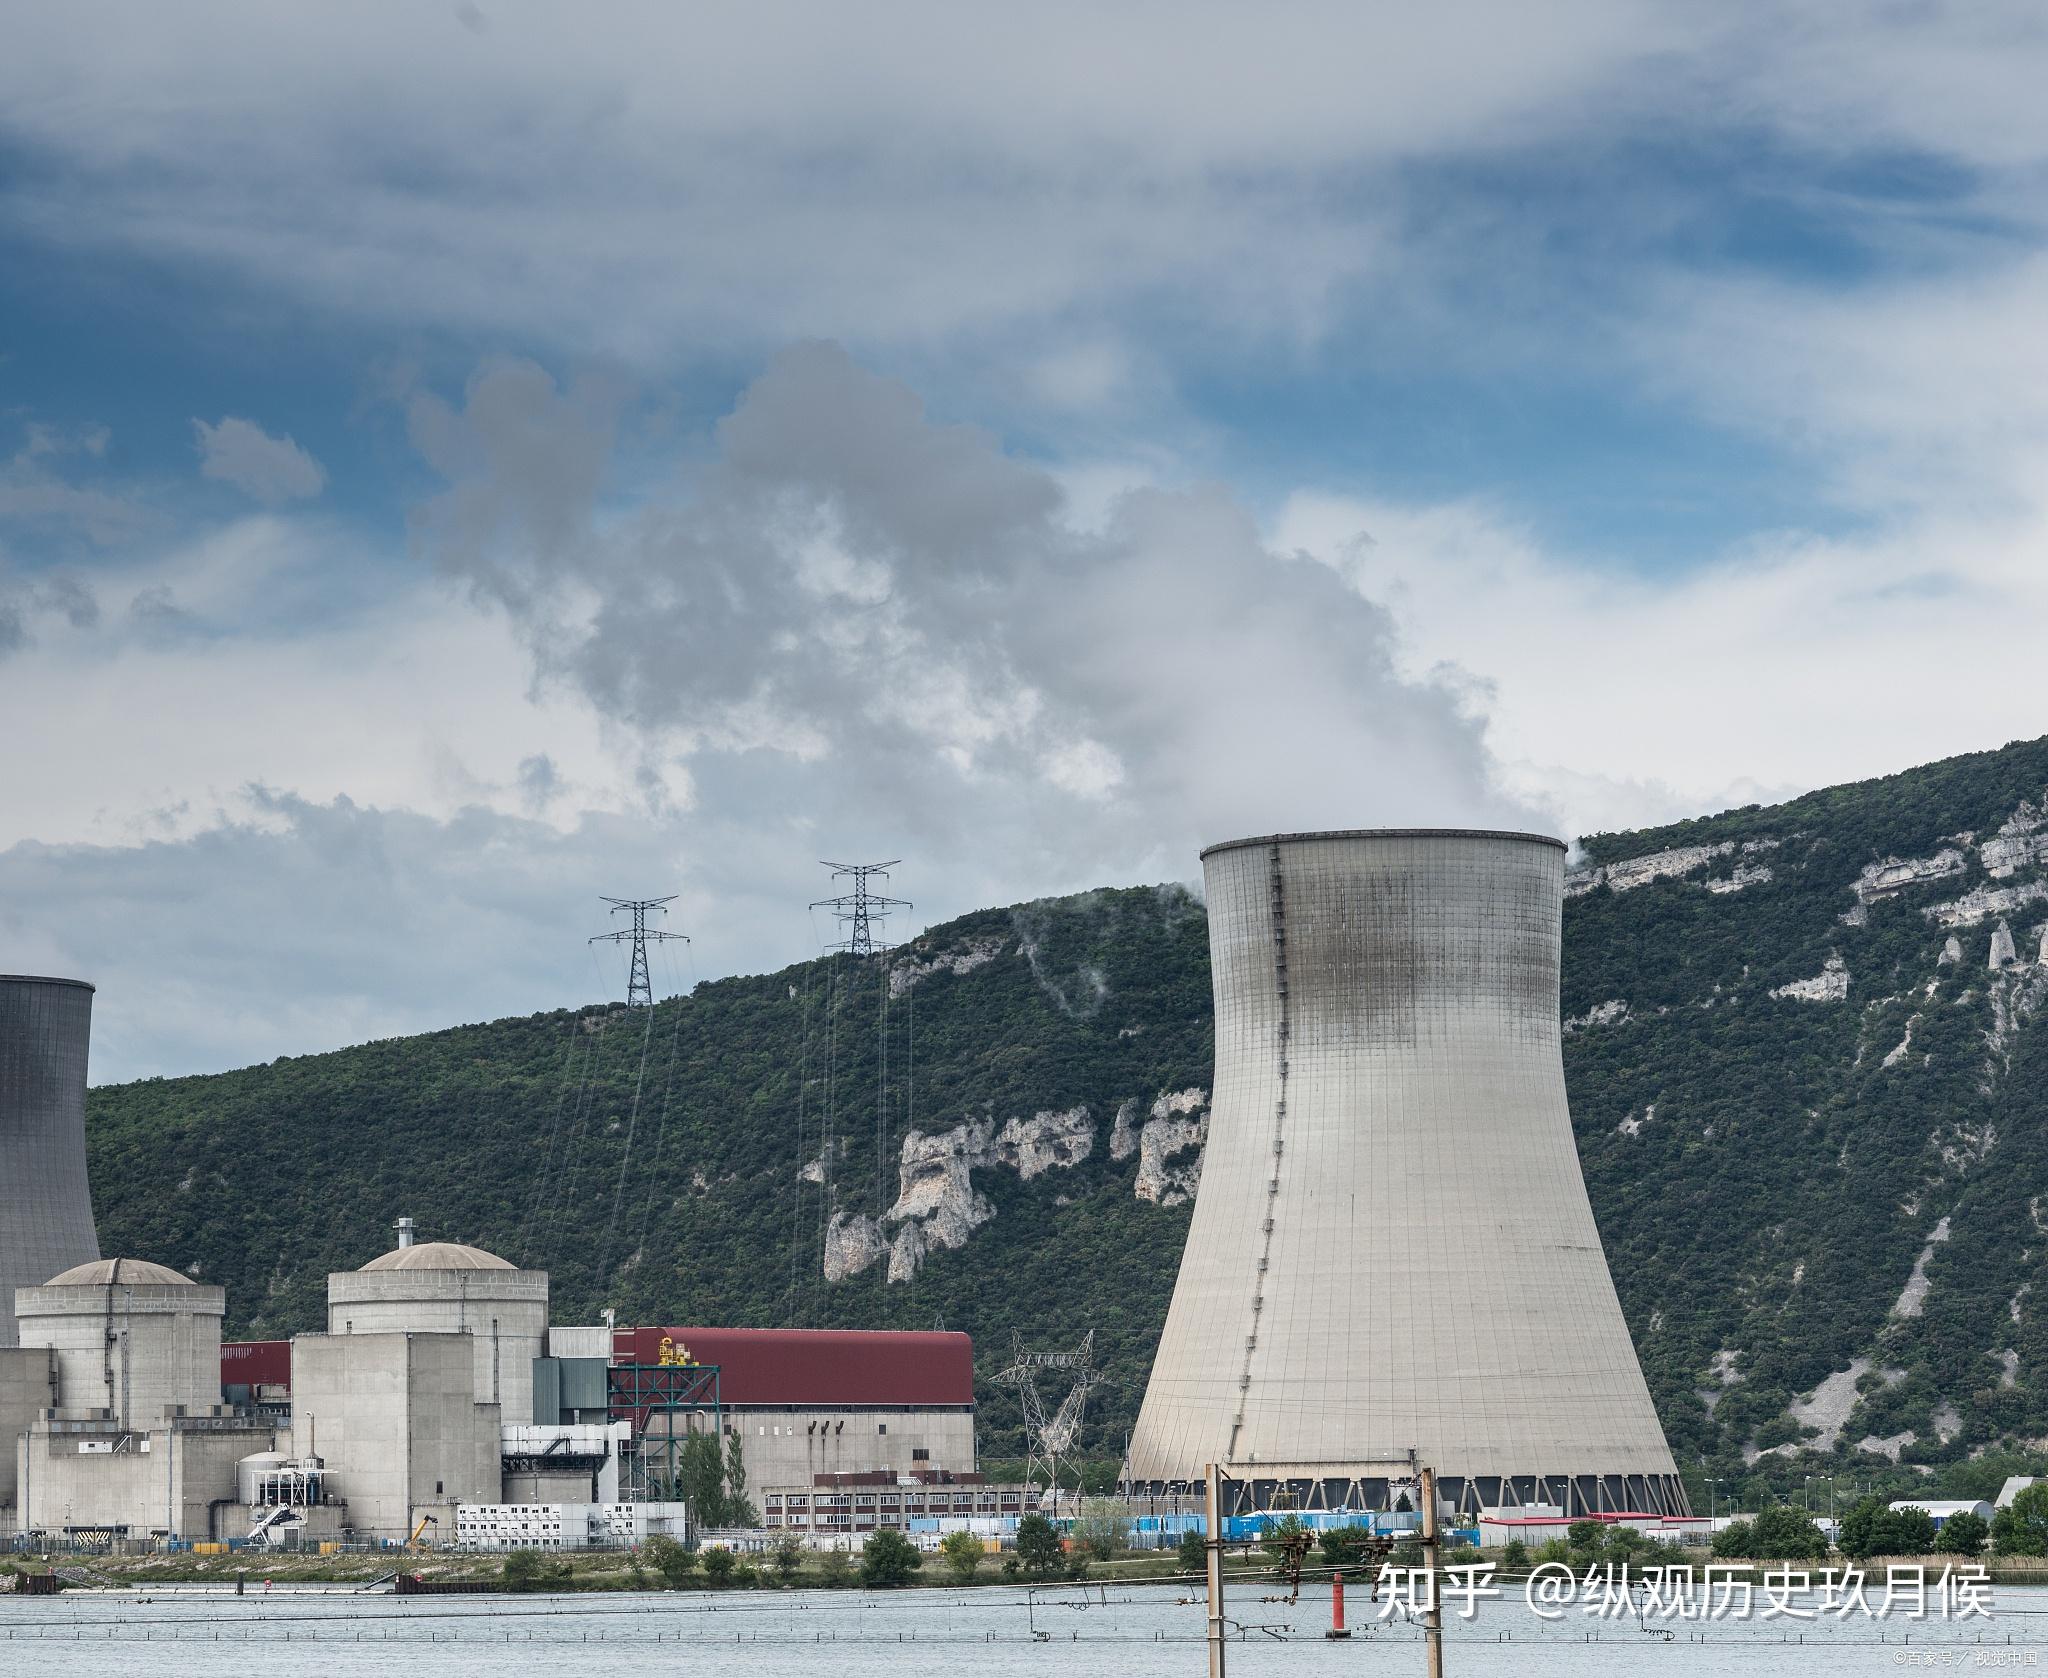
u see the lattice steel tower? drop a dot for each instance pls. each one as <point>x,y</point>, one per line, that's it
<point>639,987</point>
<point>860,909</point>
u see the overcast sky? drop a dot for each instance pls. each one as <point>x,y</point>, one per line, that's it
<point>459,460</point>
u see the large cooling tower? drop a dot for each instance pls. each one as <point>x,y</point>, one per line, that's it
<point>45,1207</point>
<point>1392,1249</point>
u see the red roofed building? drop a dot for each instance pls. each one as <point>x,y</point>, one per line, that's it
<point>808,1403</point>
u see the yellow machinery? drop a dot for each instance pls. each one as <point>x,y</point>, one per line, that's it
<point>413,1543</point>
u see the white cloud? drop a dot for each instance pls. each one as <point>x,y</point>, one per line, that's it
<point>41,494</point>
<point>224,660</point>
<point>292,926</point>
<point>266,468</point>
<point>858,632</point>
<point>643,181</point>
<point>846,571</point>
<point>1618,700</point>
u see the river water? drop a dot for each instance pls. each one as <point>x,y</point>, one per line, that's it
<point>1132,1631</point>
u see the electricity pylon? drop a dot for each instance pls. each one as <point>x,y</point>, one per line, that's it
<point>639,987</point>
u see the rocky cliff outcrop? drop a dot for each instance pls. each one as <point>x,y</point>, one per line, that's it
<point>937,1205</point>
<point>1171,1131</point>
<point>908,973</point>
<point>1830,984</point>
<point>1895,874</point>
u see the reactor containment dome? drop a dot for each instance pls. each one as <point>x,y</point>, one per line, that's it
<point>447,1287</point>
<point>45,1206</point>
<point>1392,1256</point>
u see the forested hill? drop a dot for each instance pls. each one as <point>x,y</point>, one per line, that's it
<point>1813,1115</point>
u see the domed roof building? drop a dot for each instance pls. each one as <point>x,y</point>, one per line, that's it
<point>134,1341</point>
<point>447,1287</point>
<point>133,1273</point>
<point>437,1255</point>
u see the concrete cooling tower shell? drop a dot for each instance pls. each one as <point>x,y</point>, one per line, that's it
<point>45,1207</point>
<point>1392,1250</point>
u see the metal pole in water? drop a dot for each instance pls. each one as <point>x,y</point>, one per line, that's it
<point>1212,1550</point>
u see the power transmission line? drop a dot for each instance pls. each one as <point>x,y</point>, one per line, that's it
<point>639,987</point>
<point>858,912</point>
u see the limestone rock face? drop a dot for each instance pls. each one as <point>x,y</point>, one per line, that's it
<point>937,1206</point>
<point>1635,871</point>
<point>1881,879</point>
<point>851,1245</point>
<point>2021,840</point>
<point>1160,1182</point>
<point>1830,984</point>
<point>1123,1135</point>
<point>2002,952</point>
<point>1601,1013</point>
<point>1986,901</point>
<point>977,952</point>
<point>932,1171</point>
<point>1046,1141</point>
<point>936,1195</point>
<point>1171,1131</point>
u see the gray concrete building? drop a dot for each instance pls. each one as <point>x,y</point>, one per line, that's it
<point>130,1438</point>
<point>444,1287</point>
<point>134,1341</point>
<point>1392,1250</point>
<point>45,1206</point>
<point>393,1418</point>
<point>805,1403</point>
<point>28,1387</point>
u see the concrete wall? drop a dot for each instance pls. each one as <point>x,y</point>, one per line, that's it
<point>28,1386</point>
<point>395,1418</point>
<point>550,1486</point>
<point>506,1311</point>
<point>131,1351</point>
<point>155,1482</point>
<point>783,1446</point>
<point>1392,1248</point>
<point>45,1206</point>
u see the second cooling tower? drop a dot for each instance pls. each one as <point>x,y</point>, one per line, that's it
<point>1392,1251</point>
<point>45,1207</point>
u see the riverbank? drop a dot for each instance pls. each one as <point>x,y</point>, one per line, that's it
<point>620,1570</point>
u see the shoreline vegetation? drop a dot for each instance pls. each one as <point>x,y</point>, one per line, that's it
<point>601,1571</point>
